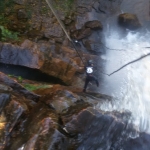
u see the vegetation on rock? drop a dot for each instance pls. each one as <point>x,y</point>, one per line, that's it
<point>65,7</point>
<point>6,6</point>
<point>32,87</point>
<point>8,35</point>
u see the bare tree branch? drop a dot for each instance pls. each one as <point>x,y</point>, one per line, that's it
<point>129,63</point>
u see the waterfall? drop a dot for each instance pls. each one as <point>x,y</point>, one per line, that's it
<point>130,87</point>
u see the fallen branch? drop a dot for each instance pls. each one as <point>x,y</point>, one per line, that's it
<point>130,63</point>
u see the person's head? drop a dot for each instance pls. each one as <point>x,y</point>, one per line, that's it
<point>90,63</point>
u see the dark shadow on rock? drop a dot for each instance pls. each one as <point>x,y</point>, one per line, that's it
<point>4,99</point>
<point>28,73</point>
<point>98,130</point>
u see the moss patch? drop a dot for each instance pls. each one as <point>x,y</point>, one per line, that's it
<point>32,87</point>
<point>65,7</point>
<point>6,6</point>
<point>8,35</point>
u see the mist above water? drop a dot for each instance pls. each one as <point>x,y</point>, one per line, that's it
<point>131,85</point>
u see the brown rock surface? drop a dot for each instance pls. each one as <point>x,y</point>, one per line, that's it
<point>84,33</point>
<point>22,14</point>
<point>129,21</point>
<point>20,2</point>
<point>52,60</point>
<point>16,87</point>
<point>94,24</point>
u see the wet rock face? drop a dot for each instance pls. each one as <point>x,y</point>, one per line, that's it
<point>10,84</point>
<point>20,2</point>
<point>39,123</point>
<point>22,14</point>
<point>13,106</point>
<point>63,100</point>
<point>47,137</point>
<point>17,26</point>
<point>40,127</point>
<point>54,31</point>
<point>92,46</point>
<point>61,120</point>
<point>86,30</point>
<point>4,98</point>
<point>58,62</point>
<point>95,25</point>
<point>81,33</point>
<point>139,143</point>
<point>84,6</point>
<point>129,21</point>
<point>138,7</point>
<point>98,130</point>
<point>13,111</point>
<point>41,131</point>
<point>5,88</point>
<point>16,55</point>
<point>59,69</point>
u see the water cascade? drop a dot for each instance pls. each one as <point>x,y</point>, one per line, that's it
<point>114,116</point>
<point>130,86</point>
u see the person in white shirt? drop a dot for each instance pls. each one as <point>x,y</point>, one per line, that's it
<point>89,75</point>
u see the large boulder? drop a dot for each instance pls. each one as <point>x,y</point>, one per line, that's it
<point>13,108</point>
<point>59,62</point>
<point>95,24</point>
<point>41,131</point>
<point>61,98</point>
<point>99,130</point>
<point>85,30</point>
<point>129,21</point>
<point>81,33</point>
<point>12,54</point>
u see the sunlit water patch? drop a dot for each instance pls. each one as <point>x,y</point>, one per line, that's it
<point>131,85</point>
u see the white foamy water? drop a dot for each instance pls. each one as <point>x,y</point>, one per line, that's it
<point>131,85</point>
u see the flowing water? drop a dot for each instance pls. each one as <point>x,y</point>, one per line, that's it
<point>131,85</point>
